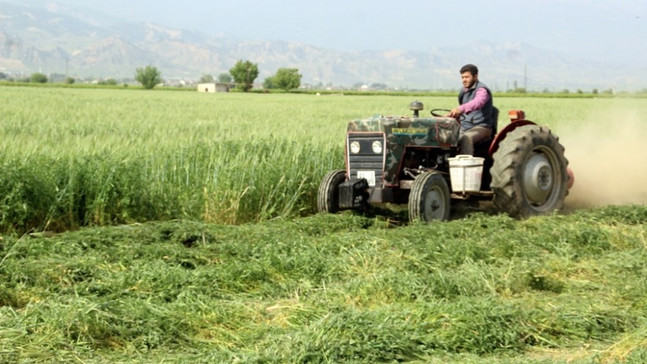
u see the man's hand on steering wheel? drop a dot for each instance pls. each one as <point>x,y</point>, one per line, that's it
<point>448,113</point>
<point>455,112</point>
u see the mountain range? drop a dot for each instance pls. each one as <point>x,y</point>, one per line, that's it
<point>82,44</point>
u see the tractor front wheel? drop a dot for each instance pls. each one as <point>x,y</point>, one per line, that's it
<point>529,175</point>
<point>328,194</point>
<point>429,198</point>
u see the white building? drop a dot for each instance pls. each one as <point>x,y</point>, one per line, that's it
<point>209,87</point>
<point>213,87</point>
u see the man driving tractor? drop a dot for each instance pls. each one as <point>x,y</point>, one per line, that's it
<point>476,112</point>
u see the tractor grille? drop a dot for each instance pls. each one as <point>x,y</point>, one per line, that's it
<point>366,163</point>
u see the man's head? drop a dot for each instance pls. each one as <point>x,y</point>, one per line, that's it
<point>469,75</point>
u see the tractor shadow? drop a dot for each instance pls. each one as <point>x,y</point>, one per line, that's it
<point>397,215</point>
<point>461,209</point>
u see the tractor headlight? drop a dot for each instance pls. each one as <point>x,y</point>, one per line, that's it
<point>354,147</point>
<point>377,147</point>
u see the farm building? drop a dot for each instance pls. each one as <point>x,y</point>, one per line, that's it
<point>213,87</point>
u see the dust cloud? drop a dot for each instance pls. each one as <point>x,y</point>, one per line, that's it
<point>609,160</point>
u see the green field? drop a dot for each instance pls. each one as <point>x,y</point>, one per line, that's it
<point>83,157</point>
<point>161,226</point>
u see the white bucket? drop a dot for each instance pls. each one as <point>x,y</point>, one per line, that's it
<point>465,172</point>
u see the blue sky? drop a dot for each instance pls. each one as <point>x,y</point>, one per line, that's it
<point>604,30</point>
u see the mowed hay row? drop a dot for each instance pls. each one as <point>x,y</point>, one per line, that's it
<point>331,288</point>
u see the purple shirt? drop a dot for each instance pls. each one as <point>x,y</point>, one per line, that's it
<point>480,98</point>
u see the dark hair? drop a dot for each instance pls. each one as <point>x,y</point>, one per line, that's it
<point>470,68</point>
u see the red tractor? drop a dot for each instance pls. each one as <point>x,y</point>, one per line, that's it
<point>415,160</point>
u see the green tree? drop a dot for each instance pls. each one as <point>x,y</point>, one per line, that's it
<point>109,81</point>
<point>224,77</point>
<point>38,78</point>
<point>206,78</point>
<point>268,83</point>
<point>148,76</point>
<point>244,74</point>
<point>287,78</point>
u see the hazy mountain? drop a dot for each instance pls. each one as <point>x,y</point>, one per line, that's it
<point>82,43</point>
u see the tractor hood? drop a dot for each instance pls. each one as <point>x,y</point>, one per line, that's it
<point>411,131</point>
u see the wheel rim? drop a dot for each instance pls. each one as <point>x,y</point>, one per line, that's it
<point>434,204</point>
<point>540,177</point>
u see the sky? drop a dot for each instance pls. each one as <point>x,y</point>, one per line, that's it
<point>604,30</point>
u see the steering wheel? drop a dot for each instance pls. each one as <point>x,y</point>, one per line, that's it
<point>437,113</point>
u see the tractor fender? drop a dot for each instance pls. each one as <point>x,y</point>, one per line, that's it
<point>508,128</point>
<point>571,178</point>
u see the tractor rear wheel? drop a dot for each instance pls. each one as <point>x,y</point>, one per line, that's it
<point>429,198</point>
<point>529,174</point>
<point>328,194</point>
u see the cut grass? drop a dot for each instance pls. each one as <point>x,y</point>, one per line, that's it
<point>332,288</point>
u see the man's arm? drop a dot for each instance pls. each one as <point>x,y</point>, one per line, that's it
<point>480,98</point>
<point>477,103</point>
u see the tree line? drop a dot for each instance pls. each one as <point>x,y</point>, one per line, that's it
<point>243,74</point>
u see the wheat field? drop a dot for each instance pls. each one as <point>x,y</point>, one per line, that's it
<point>77,157</point>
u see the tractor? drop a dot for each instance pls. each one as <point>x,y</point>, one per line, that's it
<point>415,160</point>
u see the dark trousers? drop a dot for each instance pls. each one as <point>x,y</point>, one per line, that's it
<point>469,137</point>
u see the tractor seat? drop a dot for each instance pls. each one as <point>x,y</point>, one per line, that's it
<point>483,146</point>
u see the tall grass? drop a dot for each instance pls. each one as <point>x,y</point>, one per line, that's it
<point>79,157</point>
